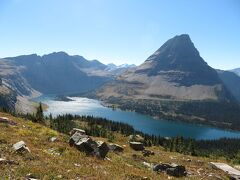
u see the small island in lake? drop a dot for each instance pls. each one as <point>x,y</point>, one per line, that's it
<point>62,98</point>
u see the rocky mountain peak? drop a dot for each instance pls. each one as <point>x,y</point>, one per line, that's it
<point>177,49</point>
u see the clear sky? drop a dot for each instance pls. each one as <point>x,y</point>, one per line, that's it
<point>120,31</point>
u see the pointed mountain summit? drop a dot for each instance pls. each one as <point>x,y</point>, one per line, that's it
<point>181,62</point>
<point>175,50</point>
<point>175,71</point>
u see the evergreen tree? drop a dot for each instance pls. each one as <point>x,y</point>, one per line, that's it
<point>39,114</point>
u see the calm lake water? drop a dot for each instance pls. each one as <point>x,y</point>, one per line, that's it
<point>146,124</point>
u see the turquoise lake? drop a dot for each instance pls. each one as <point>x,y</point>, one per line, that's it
<point>146,124</point>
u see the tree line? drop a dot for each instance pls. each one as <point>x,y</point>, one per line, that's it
<point>102,127</point>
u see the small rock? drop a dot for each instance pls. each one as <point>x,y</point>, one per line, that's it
<point>74,130</point>
<point>137,146</point>
<point>161,167</point>
<point>147,152</point>
<point>6,120</point>
<point>53,139</point>
<point>77,165</point>
<point>136,138</point>
<point>31,177</point>
<point>147,164</point>
<point>76,137</point>
<point>115,148</point>
<point>5,162</point>
<point>176,170</point>
<point>21,147</point>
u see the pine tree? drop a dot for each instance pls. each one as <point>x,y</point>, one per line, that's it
<point>39,114</point>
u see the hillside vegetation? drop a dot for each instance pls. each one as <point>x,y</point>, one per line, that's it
<point>57,160</point>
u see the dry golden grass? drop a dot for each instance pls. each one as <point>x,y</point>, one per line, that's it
<point>57,160</point>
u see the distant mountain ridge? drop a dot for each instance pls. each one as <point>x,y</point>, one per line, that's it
<point>117,70</point>
<point>232,81</point>
<point>55,73</point>
<point>236,71</point>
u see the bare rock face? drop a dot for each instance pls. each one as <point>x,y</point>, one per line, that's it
<point>137,146</point>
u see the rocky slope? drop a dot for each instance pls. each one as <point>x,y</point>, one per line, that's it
<point>8,98</point>
<point>47,155</point>
<point>231,81</point>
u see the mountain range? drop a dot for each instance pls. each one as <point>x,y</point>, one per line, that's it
<point>56,73</point>
<point>174,82</point>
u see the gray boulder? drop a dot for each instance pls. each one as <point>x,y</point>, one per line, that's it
<point>21,147</point>
<point>115,148</point>
<point>161,167</point>
<point>136,138</point>
<point>176,170</point>
<point>137,146</point>
<point>76,137</point>
<point>86,145</point>
<point>102,149</point>
<point>146,152</point>
<point>74,130</point>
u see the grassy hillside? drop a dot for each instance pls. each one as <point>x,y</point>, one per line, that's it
<point>57,160</point>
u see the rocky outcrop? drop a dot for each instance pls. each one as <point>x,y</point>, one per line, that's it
<point>86,144</point>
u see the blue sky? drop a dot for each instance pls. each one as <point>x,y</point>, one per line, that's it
<point>120,31</point>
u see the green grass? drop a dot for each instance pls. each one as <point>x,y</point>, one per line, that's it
<point>57,160</point>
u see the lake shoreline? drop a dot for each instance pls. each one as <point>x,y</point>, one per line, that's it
<point>141,122</point>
